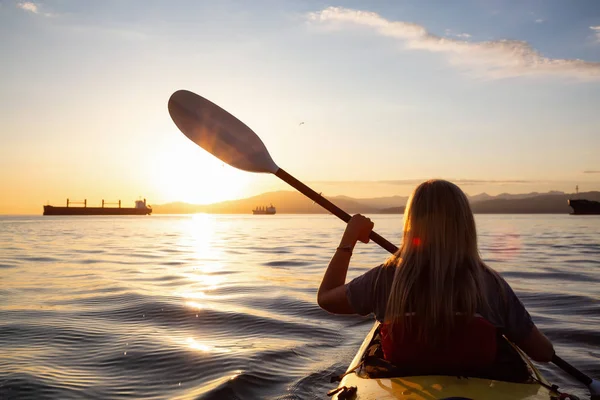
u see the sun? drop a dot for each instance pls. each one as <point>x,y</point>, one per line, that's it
<point>198,178</point>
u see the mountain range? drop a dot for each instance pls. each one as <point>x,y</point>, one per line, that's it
<point>292,202</point>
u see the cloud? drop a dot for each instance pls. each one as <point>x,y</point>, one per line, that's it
<point>596,30</point>
<point>33,8</point>
<point>458,35</point>
<point>28,6</point>
<point>539,20</point>
<point>591,172</point>
<point>493,59</point>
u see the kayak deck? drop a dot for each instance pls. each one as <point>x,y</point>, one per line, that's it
<point>431,387</point>
<point>443,387</point>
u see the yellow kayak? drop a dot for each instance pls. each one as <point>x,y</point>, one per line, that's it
<point>356,384</point>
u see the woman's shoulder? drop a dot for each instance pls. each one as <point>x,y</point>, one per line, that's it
<point>507,310</point>
<point>368,293</point>
<point>494,280</point>
<point>379,275</point>
<point>498,292</point>
<point>387,269</point>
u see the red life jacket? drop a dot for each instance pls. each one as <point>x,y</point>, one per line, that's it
<point>472,345</point>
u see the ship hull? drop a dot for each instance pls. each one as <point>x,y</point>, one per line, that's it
<point>52,210</point>
<point>585,207</point>
<point>263,212</point>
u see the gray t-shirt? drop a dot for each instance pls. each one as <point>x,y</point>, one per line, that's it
<point>369,293</point>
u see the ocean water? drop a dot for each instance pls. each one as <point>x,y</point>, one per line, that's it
<point>224,307</point>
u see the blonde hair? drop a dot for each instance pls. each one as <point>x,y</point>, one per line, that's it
<point>439,272</point>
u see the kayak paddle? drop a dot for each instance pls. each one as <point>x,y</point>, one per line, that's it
<point>233,142</point>
<point>592,384</point>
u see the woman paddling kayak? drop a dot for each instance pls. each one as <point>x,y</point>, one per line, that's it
<point>441,307</point>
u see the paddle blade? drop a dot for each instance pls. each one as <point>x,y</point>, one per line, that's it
<point>219,133</point>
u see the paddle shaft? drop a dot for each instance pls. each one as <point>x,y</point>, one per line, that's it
<point>332,208</point>
<point>571,370</point>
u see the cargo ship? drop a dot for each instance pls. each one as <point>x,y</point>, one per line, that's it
<point>584,207</point>
<point>140,209</point>
<point>270,210</point>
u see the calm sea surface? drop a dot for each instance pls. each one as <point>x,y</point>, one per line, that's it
<point>219,307</point>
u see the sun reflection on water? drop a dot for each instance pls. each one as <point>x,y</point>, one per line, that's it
<point>196,345</point>
<point>194,304</point>
<point>191,295</point>
<point>205,256</point>
<point>209,282</point>
<point>201,237</point>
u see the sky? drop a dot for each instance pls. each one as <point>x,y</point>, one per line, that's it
<point>363,99</point>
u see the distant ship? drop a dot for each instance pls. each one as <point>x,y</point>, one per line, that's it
<point>584,207</point>
<point>264,210</point>
<point>140,209</point>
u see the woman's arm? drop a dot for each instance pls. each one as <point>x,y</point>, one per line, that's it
<point>521,330</point>
<point>332,293</point>
<point>537,346</point>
